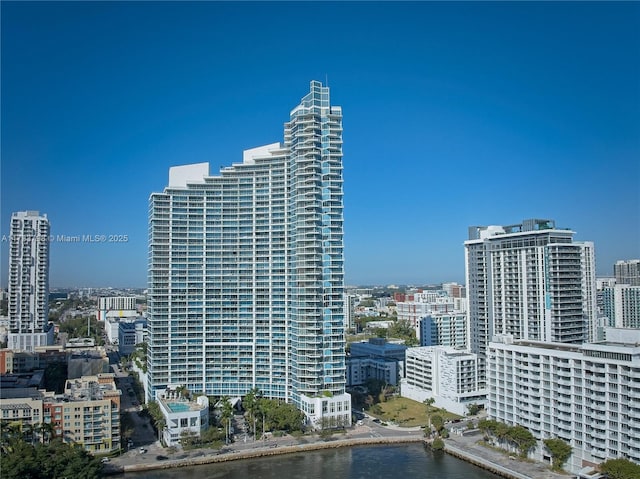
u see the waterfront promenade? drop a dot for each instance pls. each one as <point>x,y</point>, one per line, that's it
<point>463,447</point>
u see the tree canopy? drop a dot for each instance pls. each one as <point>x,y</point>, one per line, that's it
<point>48,461</point>
<point>560,452</point>
<point>620,469</point>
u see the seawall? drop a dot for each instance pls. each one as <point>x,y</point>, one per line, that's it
<point>261,452</point>
<point>314,446</point>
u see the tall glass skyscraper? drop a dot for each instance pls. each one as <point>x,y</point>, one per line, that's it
<point>246,274</point>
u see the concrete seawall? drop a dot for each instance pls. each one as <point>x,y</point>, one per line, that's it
<point>314,446</point>
<point>261,452</point>
<point>483,463</point>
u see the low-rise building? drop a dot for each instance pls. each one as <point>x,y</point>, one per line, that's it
<point>182,415</point>
<point>448,375</point>
<point>375,359</point>
<point>587,395</point>
<point>87,413</point>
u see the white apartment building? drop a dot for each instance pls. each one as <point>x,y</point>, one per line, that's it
<point>182,415</point>
<point>621,305</point>
<point>448,375</point>
<point>246,273</point>
<point>29,281</point>
<point>349,310</point>
<point>587,395</point>
<point>530,280</point>
<point>426,303</point>
<point>116,307</point>
<point>444,329</point>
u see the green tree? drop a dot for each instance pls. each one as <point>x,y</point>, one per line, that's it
<point>560,452</point>
<point>522,437</point>
<point>473,409</point>
<point>157,418</point>
<point>227,415</point>
<point>46,461</point>
<point>437,444</point>
<point>437,422</point>
<point>429,404</point>
<point>620,469</point>
<point>402,329</point>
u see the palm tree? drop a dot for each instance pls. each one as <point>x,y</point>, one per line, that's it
<point>429,403</point>
<point>227,414</point>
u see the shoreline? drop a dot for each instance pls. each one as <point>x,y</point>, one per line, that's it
<point>314,446</point>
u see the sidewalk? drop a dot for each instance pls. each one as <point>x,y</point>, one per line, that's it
<point>468,447</point>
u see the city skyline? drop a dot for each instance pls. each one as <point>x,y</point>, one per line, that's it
<point>455,114</point>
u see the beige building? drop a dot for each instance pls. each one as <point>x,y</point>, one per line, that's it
<point>88,413</point>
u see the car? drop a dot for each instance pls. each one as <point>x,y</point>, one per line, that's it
<point>104,460</point>
<point>142,450</point>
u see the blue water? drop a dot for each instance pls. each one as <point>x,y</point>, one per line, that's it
<point>360,462</point>
<point>178,407</point>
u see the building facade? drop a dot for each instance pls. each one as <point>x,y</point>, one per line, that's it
<point>375,359</point>
<point>182,416</point>
<point>444,329</point>
<point>586,395</point>
<point>116,307</point>
<point>246,275</point>
<point>530,280</point>
<point>87,413</point>
<point>29,281</point>
<point>448,375</point>
<point>621,305</point>
<point>627,272</point>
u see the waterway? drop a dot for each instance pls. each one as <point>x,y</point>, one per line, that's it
<point>407,461</point>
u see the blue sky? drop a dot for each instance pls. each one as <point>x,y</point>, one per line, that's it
<point>455,114</point>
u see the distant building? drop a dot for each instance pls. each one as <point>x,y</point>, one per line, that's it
<point>29,281</point>
<point>444,329</point>
<point>182,415</point>
<point>627,272</point>
<point>349,310</point>
<point>131,332</point>
<point>87,363</point>
<point>586,395</point>
<point>375,359</point>
<point>18,362</point>
<point>116,307</point>
<point>448,375</point>
<point>621,305</point>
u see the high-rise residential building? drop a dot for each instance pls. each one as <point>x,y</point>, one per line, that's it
<point>586,395</point>
<point>246,276</point>
<point>530,280</point>
<point>621,305</point>
<point>627,272</point>
<point>29,281</point>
